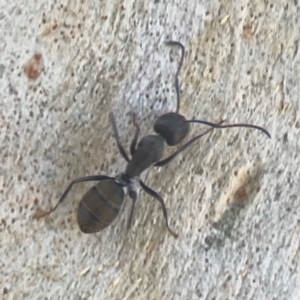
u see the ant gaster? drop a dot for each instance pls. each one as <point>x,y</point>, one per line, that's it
<point>102,203</point>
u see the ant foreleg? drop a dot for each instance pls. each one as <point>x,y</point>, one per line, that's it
<point>172,156</point>
<point>117,138</point>
<point>136,136</point>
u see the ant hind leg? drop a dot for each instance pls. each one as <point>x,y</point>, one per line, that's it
<point>42,213</point>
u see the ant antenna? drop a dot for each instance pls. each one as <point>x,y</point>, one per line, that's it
<point>178,70</point>
<point>230,126</point>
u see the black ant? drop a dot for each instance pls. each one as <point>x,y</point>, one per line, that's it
<point>102,203</point>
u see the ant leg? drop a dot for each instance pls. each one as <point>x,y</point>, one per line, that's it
<point>42,213</point>
<point>133,196</point>
<point>136,135</point>
<point>160,199</point>
<point>172,156</point>
<point>178,70</point>
<point>117,138</point>
<point>231,125</point>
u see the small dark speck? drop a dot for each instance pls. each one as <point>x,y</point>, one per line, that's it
<point>285,137</point>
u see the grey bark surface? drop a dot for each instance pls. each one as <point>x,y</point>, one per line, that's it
<point>233,197</point>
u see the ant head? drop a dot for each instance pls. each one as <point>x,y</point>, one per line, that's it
<point>172,127</point>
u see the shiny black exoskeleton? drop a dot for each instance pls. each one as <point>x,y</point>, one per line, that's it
<point>102,203</point>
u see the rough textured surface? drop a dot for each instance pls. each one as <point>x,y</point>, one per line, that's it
<point>64,66</point>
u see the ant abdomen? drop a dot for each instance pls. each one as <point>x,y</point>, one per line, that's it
<point>100,206</point>
<point>172,127</point>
